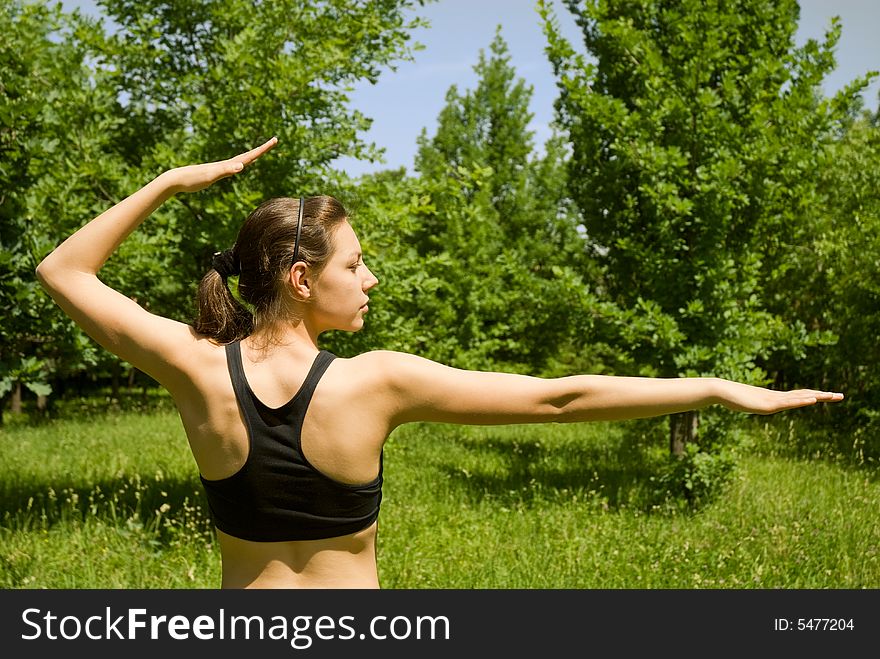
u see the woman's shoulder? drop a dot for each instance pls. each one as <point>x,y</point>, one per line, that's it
<point>392,370</point>
<point>375,358</point>
<point>371,365</point>
<point>199,361</point>
<point>383,363</point>
<point>375,370</point>
<point>201,347</point>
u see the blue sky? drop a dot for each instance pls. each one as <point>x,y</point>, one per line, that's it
<point>405,101</point>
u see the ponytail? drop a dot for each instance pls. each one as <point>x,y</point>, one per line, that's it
<point>221,316</point>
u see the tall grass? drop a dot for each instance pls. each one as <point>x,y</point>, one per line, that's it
<point>114,501</point>
<point>108,501</point>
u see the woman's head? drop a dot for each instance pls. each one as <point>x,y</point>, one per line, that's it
<point>275,288</point>
<point>338,298</point>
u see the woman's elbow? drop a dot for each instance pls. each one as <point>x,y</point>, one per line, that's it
<point>567,401</point>
<point>556,409</point>
<point>47,274</point>
<point>42,274</point>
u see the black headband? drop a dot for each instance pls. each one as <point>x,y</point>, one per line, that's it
<point>299,222</point>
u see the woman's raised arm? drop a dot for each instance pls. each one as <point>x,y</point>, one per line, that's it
<point>153,344</point>
<point>422,390</point>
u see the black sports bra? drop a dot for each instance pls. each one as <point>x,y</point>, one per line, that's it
<point>277,495</point>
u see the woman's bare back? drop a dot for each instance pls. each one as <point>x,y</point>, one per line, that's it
<point>341,438</point>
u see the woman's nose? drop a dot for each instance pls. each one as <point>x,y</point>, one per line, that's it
<point>371,281</point>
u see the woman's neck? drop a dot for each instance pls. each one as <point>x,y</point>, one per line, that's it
<point>296,338</point>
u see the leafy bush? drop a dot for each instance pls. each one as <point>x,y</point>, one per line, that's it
<point>692,479</point>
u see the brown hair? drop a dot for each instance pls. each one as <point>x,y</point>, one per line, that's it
<point>263,254</point>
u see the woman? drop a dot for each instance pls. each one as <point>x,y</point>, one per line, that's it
<point>288,439</point>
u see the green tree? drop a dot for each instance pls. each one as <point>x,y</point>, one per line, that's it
<point>500,238</point>
<point>205,78</point>
<point>487,127</point>
<point>837,276</point>
<point>697,137</point>
<point>45,96</point>
<point>173,83</point>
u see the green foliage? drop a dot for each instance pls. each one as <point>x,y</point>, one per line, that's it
<point>44,93</point>
<point>833,284</point>
<point>487,128</point>
<point>699,147</point>
<point>484,243</point>
<point>697,140</point>
<point>88,117</point>
<point>703,209</point>
<point>206,79</point>
<point>693,479</point>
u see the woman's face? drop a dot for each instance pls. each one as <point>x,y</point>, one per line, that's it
<point>339,295</point>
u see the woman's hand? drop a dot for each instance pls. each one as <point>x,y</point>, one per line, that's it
<point>757,400</point>
<point>193,178</point>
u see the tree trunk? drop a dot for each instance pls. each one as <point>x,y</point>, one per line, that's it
<point>682,430</point>
<point>42,403</point>
<point>15,406</point>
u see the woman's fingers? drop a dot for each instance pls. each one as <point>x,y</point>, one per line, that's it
<point>823,396</point>
<point>193,178</point>
<point>766,401</point>
<point>238,163</point>
<point>248,157</point>
<point>805,397</point>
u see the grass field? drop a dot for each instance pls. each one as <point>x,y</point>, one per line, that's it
<point>113,501</point>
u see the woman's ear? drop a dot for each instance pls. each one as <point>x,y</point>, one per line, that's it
<point>299,279</point>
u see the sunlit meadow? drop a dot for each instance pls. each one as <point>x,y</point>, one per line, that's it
<point>112,500</point>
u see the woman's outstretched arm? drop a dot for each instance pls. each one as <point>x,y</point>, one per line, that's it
<point>418,389</point>
<point>153,344</point>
